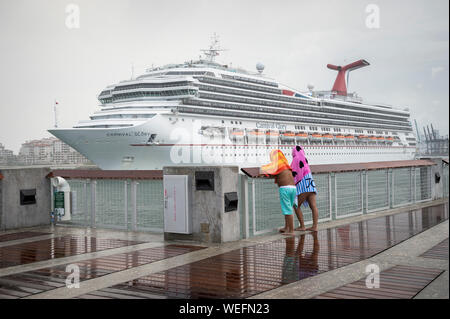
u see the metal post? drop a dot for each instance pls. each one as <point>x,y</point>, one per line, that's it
<point>367,191</point>
<point>388,189</point>
<point>415,184</point>
<point>430,173</point>
<point>253,205</point>
<point>393,188</point>
<point>362,191</point>
<point>86,204</point>
<point>335,196</point>
<point>134,201</point>
<point>245,180</point>
<point>125,189</point>
<point>93,190</point>
<point>52,200</point>
<point>329,196</point>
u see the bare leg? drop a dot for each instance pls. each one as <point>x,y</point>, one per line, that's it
<point>299,214</point>
<point>300,199</point>
<point>289,228</point>
<point>315,212</point>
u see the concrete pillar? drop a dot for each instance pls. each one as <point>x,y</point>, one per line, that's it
<point>24,198</point>
<point>211,223</point>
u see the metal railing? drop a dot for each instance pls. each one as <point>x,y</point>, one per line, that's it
<point>445,181</point>
<point>340,195</point>
<point>137,205</point>
<point>118,204</point>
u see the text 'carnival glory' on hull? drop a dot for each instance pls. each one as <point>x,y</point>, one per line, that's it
<point>204,113</point>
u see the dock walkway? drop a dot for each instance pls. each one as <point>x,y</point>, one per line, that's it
<point>408,246</point>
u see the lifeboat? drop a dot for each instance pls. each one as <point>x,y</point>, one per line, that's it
<point>349,137</point>
<point>363,138</point>
<point>272,133</point>
<point>328,138</point>
<point>211,131</point>
<point>340,138</point>
<point>380,139</point>
<point>236,134</point>
<point>287,136</point>
<point>255,134</point>
<point>301,136</point>
<point>373,139</point>
<point>272,137</point>
<point>389,139</point>
<point>316,137</point>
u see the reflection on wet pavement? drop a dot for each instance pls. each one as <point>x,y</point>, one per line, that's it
<point>251,270</point>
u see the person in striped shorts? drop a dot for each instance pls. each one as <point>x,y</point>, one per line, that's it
<point>306,187</point>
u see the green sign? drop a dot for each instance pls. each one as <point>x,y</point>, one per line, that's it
<point>59,199</point>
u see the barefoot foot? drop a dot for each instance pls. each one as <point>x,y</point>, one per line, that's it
<point>313,228</point>
<point>300,228</point>
<point>282,230</point>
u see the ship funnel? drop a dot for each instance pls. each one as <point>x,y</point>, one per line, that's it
<point>340,86</point>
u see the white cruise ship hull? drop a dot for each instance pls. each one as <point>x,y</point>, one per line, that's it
<point>178,141</point>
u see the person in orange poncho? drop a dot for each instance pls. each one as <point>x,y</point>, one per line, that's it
<point>279,168</point>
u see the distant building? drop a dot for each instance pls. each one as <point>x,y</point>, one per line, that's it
<point>7,157</point>
<point>49,151</point>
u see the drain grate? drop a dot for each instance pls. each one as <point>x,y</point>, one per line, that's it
<point>399,282</point>
<point>440,251</point>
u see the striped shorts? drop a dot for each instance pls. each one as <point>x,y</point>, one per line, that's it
<point>306,185</point>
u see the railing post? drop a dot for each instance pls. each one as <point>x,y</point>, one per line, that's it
<point>86,203</point>
<point>430,172</point>
<point>367,191</point>
<point>245,180</point>
<point>253,206</point>
<point>134,205</point>
<point>125,189</point>
<point>330,200</point>
<point>52,201</point>
<point>393,188</point>
<point>413,184</point>
<point>361,182</point>
<point>335,196</point>
<point>93,191</point>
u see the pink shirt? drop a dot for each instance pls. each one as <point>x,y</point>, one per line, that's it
<point>299,165</point>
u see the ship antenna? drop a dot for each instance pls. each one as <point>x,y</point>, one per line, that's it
<point>55,113</point>
<point>214,48</point>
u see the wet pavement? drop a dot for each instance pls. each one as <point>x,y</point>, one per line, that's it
<point>399,282</point>
<point>237,270</point>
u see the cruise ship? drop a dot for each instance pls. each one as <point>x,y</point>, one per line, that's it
<point>205,113</point>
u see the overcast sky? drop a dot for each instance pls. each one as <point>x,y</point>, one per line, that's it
<point>42,59</point>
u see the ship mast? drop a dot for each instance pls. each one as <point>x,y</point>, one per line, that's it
<point>214,48</point>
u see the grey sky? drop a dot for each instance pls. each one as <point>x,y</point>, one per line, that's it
<point>42,60</point>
